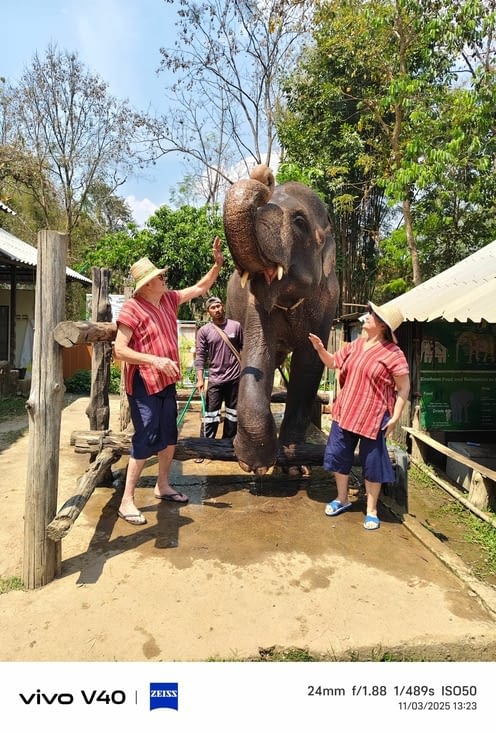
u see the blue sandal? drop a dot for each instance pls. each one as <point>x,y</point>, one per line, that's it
<point>371,522</point>
<point>335,507</point>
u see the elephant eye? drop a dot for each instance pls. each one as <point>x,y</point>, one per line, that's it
<point>300,221</point>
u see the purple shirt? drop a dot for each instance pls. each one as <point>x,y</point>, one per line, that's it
<point>214,354</point>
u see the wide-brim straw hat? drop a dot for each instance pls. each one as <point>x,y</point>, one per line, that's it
<point>143,271</point>
<point>390,315</point>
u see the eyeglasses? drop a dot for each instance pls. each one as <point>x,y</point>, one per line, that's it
<point>162,277</point>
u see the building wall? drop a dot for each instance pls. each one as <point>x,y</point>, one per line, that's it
<point>24,319</point>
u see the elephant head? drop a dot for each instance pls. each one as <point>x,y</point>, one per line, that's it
<point>269,228</point>
<point>285,285</point>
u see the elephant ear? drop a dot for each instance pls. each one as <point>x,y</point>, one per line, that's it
<point>325,239</point>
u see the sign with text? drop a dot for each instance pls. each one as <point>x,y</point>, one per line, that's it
<point>458,376</point>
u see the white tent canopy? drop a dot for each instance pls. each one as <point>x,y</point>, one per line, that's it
<point>464,292</point>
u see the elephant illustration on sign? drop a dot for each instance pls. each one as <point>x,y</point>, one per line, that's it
<point>284,287</point>
<point>478,347</point>
<point>431,349</point>
<point>460,403</point>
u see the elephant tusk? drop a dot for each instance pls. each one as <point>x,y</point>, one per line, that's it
<point>244,278</point>
<point>280,272</point>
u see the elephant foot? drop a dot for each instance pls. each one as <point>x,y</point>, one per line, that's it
<point>255,455</point>
<point>260,471</point>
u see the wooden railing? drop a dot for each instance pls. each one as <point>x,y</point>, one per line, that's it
<point>481,493</point>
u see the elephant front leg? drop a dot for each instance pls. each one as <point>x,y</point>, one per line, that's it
<point>306,373</point>
<point>255,444</point>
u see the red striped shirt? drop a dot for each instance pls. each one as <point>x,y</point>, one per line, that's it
<point>154,332</point>
<point>368,389</point>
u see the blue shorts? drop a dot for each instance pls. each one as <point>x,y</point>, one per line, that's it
<point>373,453</point>
<point>154,419</point>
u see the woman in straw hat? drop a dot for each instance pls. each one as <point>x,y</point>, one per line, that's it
<point>375,385</point>
<point>147,343</point>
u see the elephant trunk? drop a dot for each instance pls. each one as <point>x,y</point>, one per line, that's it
<point>240,207</point>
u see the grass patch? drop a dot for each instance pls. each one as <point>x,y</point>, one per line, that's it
<point>12,407</point>
<point>468,526</point>
<point>297,654</point>
<point>10,436</point>
<point>484,535</point>
<point>8,584</point>
<point>475,531</point>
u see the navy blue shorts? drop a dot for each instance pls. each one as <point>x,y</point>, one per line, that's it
<point>154,419</point>
<point>374,456</point>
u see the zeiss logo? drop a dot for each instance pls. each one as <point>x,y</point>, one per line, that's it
<point>164,695</point>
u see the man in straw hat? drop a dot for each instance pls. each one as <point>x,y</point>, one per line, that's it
<point>147,343</point>
<point>375,385</point>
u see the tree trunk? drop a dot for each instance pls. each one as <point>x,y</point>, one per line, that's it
<point>41,554</point>
<point>410,241</point>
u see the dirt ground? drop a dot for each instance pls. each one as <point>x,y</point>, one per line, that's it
<point>247,567</point>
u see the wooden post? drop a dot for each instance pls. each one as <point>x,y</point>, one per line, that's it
<point>98,410</point>
<point>125,413</point>
<point>42,555</point>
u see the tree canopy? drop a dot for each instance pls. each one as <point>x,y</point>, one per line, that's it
<point>180,240</point>
<point>67,143</point>
<point>385,107</point>
<point>391,107</point>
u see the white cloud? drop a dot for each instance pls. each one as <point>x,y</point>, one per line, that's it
<point>141,209</point>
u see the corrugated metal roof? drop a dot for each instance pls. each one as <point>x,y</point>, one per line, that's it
<point>464,292</point>
<point>16,250</point>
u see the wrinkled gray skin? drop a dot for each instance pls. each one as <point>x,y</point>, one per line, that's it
<point>278,232</point>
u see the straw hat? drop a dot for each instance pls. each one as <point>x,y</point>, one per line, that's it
<point>143,271</point>
<point>390,315</point>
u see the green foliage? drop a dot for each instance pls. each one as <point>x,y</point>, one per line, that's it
<point>117,251</point>
<point>484,535</point>
<point>188,372</point>
<point>292,171</point>
<point>180,240</point>
<point>80,382</point>
<point>12,407</point>
<point>394,103</point>
<point>393,267</point>
<point>115,379</point>
<point>11,583</point>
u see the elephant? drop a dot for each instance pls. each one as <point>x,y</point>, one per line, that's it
<point>284,286</point>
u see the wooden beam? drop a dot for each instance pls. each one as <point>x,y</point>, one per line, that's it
<point>482,483</point>
<point>69,512</point>
<point>92,441</point>
<point>450,453</point>
<point>70,333</point>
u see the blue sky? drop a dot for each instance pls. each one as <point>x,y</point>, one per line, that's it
<point>119,40</point>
